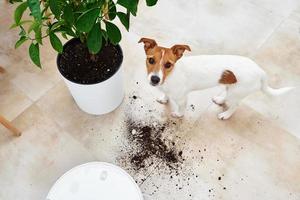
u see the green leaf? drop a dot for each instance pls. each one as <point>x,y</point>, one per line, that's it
<point>104,34</point>
<point>34,6</point>
<point>134,10</point>
<point>65,29</point>
<point>124,18</point>
<point>22,32</point>
<point>151,2</point>
<point>34,53</point>
<point>64,35</point>
<point>112,10</point>
<point>113,32</point>
<point>69,15</point>
<point>33,26</point>
<point>94,39</point>
<point>37,28</point>
<point>19,12</point>
<point>38,34</point>
<point>14,1</point>
<point>20,41</point>
<point>129,4</point>
<point>56,7</point>
<point>87,20</point>
<point>56,43</point>
<point>20,24</point>
<point>57,24</point>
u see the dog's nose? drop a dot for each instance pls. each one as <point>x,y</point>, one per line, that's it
<point>155,80</point>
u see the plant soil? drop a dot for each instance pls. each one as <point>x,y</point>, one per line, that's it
<point>77,64</point>
<point>149,144</point>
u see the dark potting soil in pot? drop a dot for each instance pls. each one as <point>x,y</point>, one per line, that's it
<point>78,65</point>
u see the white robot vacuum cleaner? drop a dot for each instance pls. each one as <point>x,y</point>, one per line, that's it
<point>95,181</point>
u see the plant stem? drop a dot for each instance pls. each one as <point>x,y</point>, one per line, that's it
<point>93,57</point>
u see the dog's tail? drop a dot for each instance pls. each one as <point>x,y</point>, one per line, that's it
<point>271,91</point>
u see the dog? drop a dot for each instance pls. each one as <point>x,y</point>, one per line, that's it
<point>176,76</point>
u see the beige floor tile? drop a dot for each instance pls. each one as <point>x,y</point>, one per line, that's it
<point>31,163</point>
<point>61,107</point>
<point>8,38</point>
<point>282,8</point>
<point>233,159</point>
<point>209,27</point>
<point>103,136</point>
<point>12,101</point>
<point>254,158</point>
<point>296,14</point>
<point>32,81</point>
<point>50,71</point>
<point>283,110</point>
<point>8,58</point>
<point>6,20</point>
<point>47,52</point>
<point>20,71</point>
<point>4,135</point>
<point>279,57</point>
<point>34,85</point>
<point>279,54</point>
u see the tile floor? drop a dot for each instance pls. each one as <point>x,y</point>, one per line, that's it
<point>254,155</point>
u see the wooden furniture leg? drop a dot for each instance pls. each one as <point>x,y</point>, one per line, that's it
<point>9,126</point>
<point>2,70</point>
<point>4,121</point>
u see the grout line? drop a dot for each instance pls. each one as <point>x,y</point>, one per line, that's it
<point>269,10</point>
<point>252,55</point>
<point>48,90</point>
<point>65,132</point>
<point>27,98</point>
<point>284,18</point>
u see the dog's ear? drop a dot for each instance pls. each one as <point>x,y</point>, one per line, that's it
<point>179,49</point>
<point>148,43</point>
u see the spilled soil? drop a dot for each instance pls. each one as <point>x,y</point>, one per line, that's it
<point>149,146</point>
<point>153,146</point>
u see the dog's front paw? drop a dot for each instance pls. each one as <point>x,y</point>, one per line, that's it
<point>224,115</point>
<point>176,114</point>
<point>162,100</point>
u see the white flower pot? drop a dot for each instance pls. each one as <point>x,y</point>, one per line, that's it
<point>99,98</point>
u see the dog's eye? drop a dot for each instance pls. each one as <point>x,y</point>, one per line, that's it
<point>151,61</point>
<point>168,65</point>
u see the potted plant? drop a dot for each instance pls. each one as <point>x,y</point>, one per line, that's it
<point>90,61</point>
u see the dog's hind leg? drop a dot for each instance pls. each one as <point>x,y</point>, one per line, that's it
<point>220,99</point>
<point>231,107</point>
<point>234,96</point>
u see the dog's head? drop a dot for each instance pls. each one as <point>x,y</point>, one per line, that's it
<point>160,60</point>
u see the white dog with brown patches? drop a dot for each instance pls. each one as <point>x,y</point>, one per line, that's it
<point>176,76</point>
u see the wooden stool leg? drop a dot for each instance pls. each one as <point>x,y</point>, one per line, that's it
<point>9,126</point>
<point>2,70</point>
